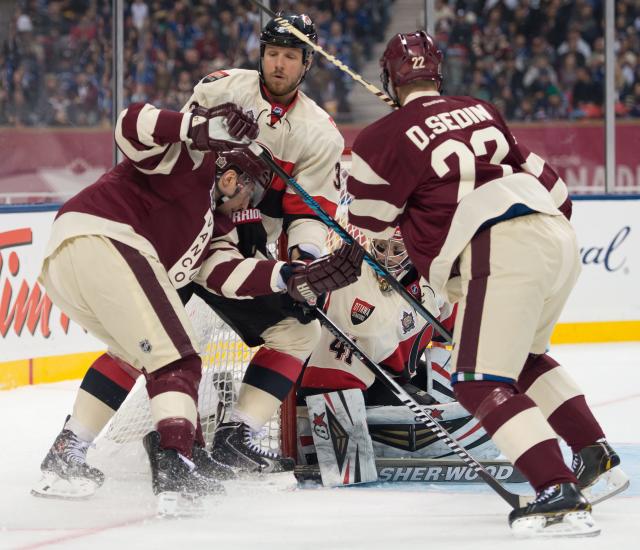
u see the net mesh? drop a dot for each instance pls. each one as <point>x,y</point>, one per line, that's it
<point>224,360</point>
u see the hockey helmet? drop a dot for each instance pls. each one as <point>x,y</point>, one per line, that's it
<point>408,58</point>
<point>392,255</point>
<point>276,34</point>
<point>252,171</point>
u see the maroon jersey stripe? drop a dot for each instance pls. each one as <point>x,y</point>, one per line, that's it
<point>157,298</point>
<point>369,223</point>
<point>258,282</point>
<point>167,128</point>
<point>129,126</point>
<point>383,193</point>
<point>220,274</point>
<point>472,321</point>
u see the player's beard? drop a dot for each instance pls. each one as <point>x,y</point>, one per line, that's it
<point>281,88</point>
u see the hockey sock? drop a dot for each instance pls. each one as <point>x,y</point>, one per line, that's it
<point>173,394</point>
<point>518,429</point>
<point>268,379</point>
<point>103,389</point>
<point>560,400</point>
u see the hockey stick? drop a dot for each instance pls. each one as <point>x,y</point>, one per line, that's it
<point>257,150</point>
<point>422,415</point>
<point>300,35</point>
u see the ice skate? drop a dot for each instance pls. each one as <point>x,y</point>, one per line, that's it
<point>233,445</point>
<point>210,467</point>
<point>597,468</point>
<point>176,480</point>
<point>65,472</point>
<point>558,511</point>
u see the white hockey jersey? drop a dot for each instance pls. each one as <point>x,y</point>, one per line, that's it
<point>301,137</point>
<point>383,324</point>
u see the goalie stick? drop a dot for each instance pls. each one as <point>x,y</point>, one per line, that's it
<point>514,500</point>
<point>257,150</point>
<point>301,36</point>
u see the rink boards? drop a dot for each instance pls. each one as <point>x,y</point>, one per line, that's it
<point>40,344</point>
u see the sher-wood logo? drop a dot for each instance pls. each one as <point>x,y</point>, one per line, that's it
<point>608,255</point>
<point>23,304</point>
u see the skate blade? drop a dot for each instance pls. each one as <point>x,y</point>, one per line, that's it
<point>53,486</point>
<point>608,485</point>
<point>174,505</point>
<point>572,524</point>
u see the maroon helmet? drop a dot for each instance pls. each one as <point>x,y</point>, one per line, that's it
<point>410,57</point>
<point>249,167</point>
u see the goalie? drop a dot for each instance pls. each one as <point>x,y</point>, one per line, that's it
<point>392,333</point>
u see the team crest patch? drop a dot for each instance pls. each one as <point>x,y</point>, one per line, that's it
<point>360,311</point>
<point>407,321</point>
<point>216,75</point>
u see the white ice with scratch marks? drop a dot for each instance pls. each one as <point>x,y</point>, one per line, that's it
<point>398,517</point>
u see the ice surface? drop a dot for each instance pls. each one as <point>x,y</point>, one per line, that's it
<point>384,516</point>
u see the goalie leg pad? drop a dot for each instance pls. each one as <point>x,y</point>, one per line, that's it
<point>342,440</point>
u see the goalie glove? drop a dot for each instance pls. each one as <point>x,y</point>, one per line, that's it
<point>306,281</point>
<point>223,127</point>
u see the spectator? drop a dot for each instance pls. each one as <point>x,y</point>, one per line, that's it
<point>586,95</point>
<point>504,50</point>
<point>139,14</point>
<point>576,45</point>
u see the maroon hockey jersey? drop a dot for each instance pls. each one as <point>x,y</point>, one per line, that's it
<point>157,201</point>
<point>444,168</point>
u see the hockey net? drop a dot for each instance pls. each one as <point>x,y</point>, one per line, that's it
<point>225,358</point>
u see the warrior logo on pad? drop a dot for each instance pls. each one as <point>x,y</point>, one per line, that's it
<point>360,311</point>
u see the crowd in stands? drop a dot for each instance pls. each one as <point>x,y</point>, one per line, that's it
<point>536,59</point>
<point>540,60</point>
<point>56,56</point>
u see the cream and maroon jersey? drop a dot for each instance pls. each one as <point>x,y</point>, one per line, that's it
<point>301,138</point>
<point>157,201</point>
<point>383,324</point>
<point>226,272</point>
<point>445,168</point>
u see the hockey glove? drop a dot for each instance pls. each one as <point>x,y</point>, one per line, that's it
<point>305,282</point>
<point>223,127</point>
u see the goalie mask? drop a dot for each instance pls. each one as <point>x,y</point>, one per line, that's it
<point>408,58</point>
<point>393,256</point>
<point>252,171</point>
<point>275,34</point>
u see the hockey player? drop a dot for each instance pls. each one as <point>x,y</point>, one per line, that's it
<point>392,333</point>
<point>382,323</point>
<point>303,139</point>
<point>486,223</point>
<point>118,252</point>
